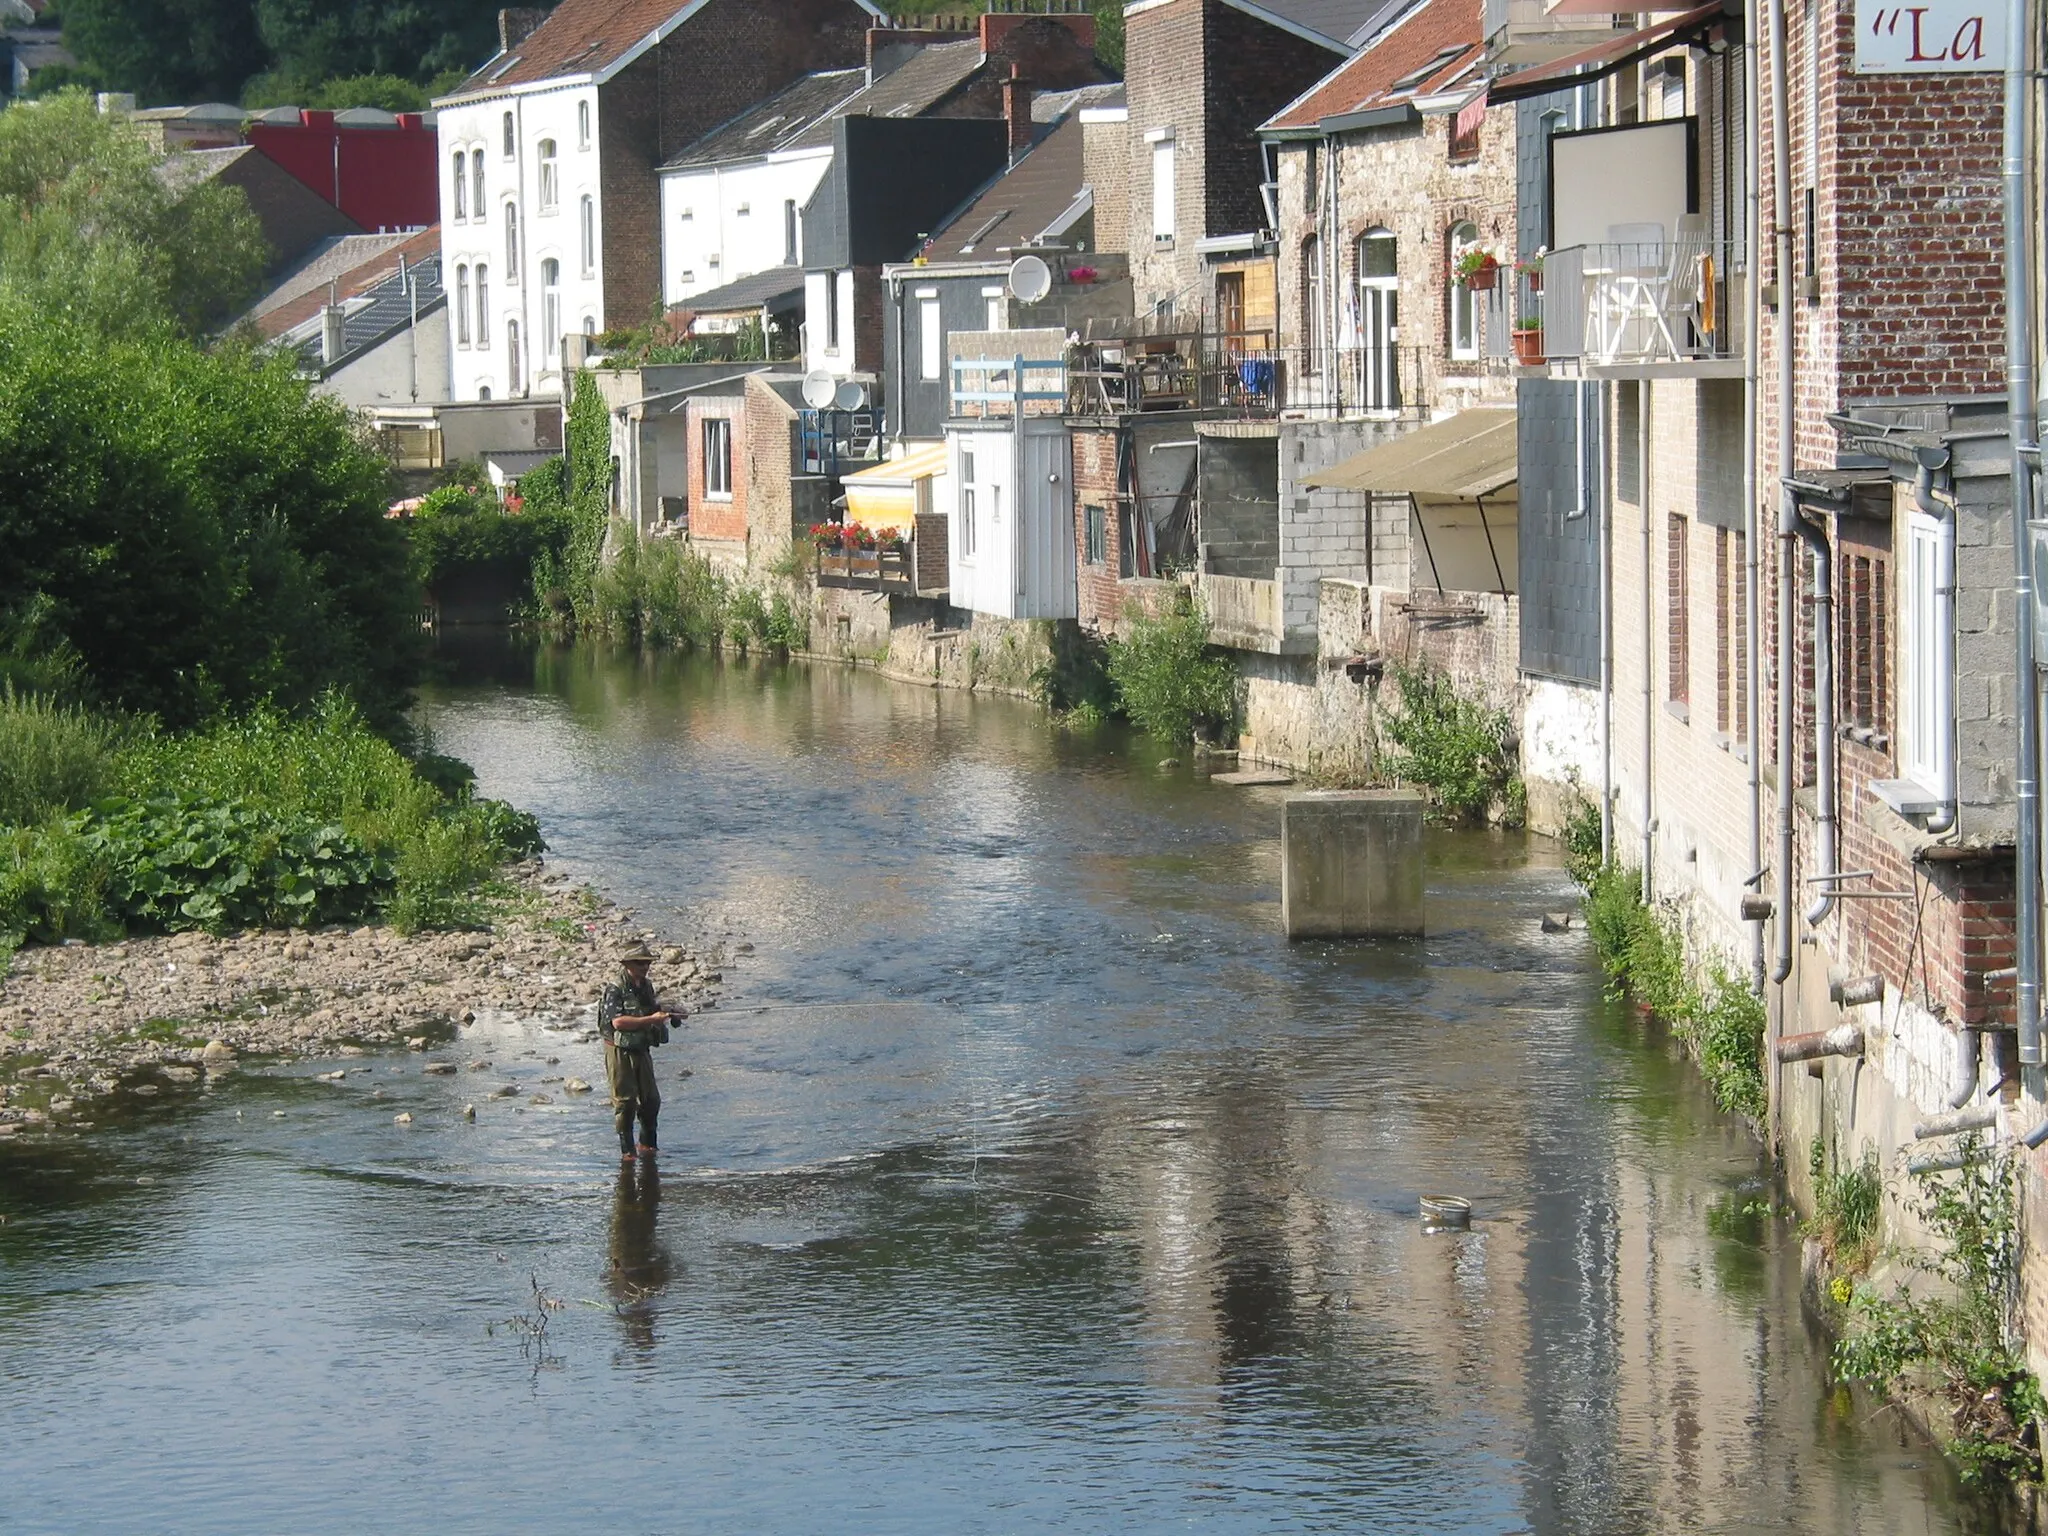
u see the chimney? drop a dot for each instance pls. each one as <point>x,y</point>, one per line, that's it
<point>890,47</point>
<point>516,24</point>
<point>330,335</point>
<point>1017,112</point>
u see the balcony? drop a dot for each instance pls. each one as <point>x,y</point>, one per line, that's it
<point>1638,308</point>
<point>1520,32</point>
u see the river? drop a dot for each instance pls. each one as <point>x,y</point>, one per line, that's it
<point>1026,1179</point>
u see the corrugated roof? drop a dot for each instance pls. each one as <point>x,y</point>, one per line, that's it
<point>910,90</point>
<point>768,126</point>
<point>747,293</point>
<point>1017,205</point>
<point>1426,48</point>
<point>1470,454</point>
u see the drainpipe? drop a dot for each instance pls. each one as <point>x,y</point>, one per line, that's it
<point>1826,840</point>
<point>1606,670</point>
<point>2019,393</point>
<point>1944,818</point>
<point>1752,519</point>
<point>1333,301</point>
<point>1964,1087</point>
<point>1788,511</point>
<point>1649,652</point>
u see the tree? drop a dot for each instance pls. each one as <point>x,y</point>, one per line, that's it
<point>390,93</point>
<point>317,40</point>
<point>167,51</point>
<point>198,528</point>
<point>94,230</point>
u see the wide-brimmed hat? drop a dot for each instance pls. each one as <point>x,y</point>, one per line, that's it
<point>637,951</point>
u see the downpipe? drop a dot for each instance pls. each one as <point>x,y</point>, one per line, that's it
<point>1944,817</point>
<point>1964,1087</point>
<point>1826,838</point>
<point>1788,511</point>
<point>1752,513</point>
<point>2019,393</point>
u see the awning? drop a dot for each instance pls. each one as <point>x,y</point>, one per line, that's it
<point>885,495</point>
<point>1470,454</point>
<point>1603,59</point>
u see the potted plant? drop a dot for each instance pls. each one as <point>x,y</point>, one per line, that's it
<point>1531,267</point>
<point>1477,268</point>
<point>1082,274</point>
<point>1529,342</point>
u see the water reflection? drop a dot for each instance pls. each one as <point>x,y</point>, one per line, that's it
<point>640,1265</point>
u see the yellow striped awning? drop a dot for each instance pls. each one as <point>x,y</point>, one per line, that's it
<point>884,495</point>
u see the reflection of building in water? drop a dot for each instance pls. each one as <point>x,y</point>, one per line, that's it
<point>640,1266</point>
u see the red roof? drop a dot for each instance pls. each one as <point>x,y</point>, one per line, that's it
<point>352,283</point>
<point>580,37</point>
<point>1439,38</point>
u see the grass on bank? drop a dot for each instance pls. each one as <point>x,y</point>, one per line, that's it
<point>264,821</point>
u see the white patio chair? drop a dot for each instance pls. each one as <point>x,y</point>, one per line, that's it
<point>1656,294</point>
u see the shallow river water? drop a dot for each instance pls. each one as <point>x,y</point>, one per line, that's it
<point>1026,1179</point>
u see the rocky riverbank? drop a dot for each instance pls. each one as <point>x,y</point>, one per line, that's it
<point>80,1021</point>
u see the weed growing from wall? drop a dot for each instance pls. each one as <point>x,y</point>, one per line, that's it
<point>1166,679</point>
<point>1846,1201</point>
<point>1956,1342</point>
<point>1455,747</point>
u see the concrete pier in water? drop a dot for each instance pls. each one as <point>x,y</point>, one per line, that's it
<point>1351,864</point>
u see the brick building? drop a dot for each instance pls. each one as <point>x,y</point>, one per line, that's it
<point>549,152</point>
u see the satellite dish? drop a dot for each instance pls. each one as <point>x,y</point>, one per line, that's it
<point>1030,279</point>
<point>850,396</point>
<point>819,388</point>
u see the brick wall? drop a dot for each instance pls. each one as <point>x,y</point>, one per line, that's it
<point>1106,167</point>
<point>930,549</point>
<point>723,520</point>
<point>766,440</point>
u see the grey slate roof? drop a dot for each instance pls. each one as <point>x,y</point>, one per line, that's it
<point>776,122</point>
<point>748,293</point>
<point>911,89</point>
<point>329,260</point>
<point>1018,205</point>
<point>383,312</point>
<point>1339,22</point>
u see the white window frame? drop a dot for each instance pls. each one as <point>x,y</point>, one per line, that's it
<point>717,439</point>
<point>515,362</point>
<point>587,233</point>
<point>510,137</point>
<point>831,312</point>
<point>479,209</point>
<point>550,176</point>
<point>995,312</point>
<point>483,306</point>
<point>931,339</point>
<point>551,309</point>
<point>461,199</point>
<point>967,521</point>
<point>583,125</point>
<point>792,234</point>
<point>1462,323</point>
<point>1926,690</point>
<point>462,305</point>
<point>511,243</point>
<point>1164,222</point>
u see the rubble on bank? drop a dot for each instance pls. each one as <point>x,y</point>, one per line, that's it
<point>79,1021</point>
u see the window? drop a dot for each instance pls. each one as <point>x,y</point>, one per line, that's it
<point>832,312</point>
<point>1379,316</point>
<point>1466,128</point>
<point>995,314</point>
<point>1162,191</point>
<point>931,341</point>
<point>511,142</point>
<point>1926,688</point>
<point>514,378</point>
<point>1096,524</point>
<point>790,253</point>
<point>462,306</point>
<point>483,305</point>
<point>718,457</point>
<point>476,185</point>
<point>1464,317</point>
<point>587,226</point>
<point>583,125</point>
<point>461,185</point>
<point>967,508</point>
<point>1864,570</point>
<point>1315,310</point>
<point>1731,606</point>
<point>1677,566</point>
<point>550,309</point>
<point>1628,442</point>
<point>550,177</point>
<point>483,391</point>
<point>590,325</point>
<point>511,242</point>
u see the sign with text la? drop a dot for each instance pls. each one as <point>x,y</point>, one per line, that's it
<point>1929,37</point>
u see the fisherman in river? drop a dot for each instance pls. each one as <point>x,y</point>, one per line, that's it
<point>632,1023</point>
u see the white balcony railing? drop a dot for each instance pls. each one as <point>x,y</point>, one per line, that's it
<point>1640,303</point>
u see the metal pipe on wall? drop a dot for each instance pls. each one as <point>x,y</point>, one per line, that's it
<point>2020,403</point>
<point>1827,841</point>
<point>1649,435</point>
<point>1788,512</point>
<point>1944,817</point>
<point>1752,513</point>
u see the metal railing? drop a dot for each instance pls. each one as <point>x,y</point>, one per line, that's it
<point>1639,302</point>
<point>1008,381</point>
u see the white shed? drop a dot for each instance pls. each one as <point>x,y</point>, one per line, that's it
<point>1011,543</point>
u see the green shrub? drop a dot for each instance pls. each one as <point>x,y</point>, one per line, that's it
<point>1846,1202</point>
<point>52,887</point>
<point>1582,838</point>
<point>53,757</point>
<point>438,875</point>
<point>1726,1031</point>
<point>1958,1341</point>
<point>1167,682</point>
<point>1452,745</point>
<point>462,531</point>
<point>786,627</point>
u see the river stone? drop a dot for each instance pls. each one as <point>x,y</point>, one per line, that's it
<point>540,1098</point>
<point>182,1074</point>
<point>333,1077</point>
<point>217,1050</point>
<point>147,1088</point>
<point>469,1111</point>
<point>1557,922</point>
<point>402,1118</point>
<point>439,1069</point>
<point>416,1042</point>
<point>575,1085</point>
<point>504,1091</point>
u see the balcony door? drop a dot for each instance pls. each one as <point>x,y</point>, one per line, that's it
<point>1379,322</point>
